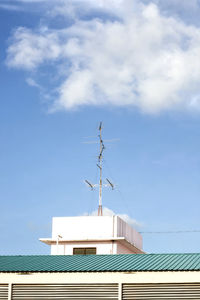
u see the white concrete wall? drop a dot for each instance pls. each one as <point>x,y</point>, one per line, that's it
<point>93,227</point>
<point>102,248</point>
<point>114,247</point>
<point>121,249</point>
<point>84,227</point>
<point>102,277</point>
<point>125,230</point>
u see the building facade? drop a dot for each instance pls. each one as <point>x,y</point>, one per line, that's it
<point>119,277</point>
<point>93,235</point>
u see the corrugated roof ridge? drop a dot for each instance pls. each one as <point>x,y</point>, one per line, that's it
<point>174,261</point>
<point>138,254</point>
<point>159,259</point>
<point>196,265</point>
<point>144,260</point>
<point>186,262</point>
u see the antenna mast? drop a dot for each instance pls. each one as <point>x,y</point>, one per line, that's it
<point>99,165</point>
<point>100,213</point>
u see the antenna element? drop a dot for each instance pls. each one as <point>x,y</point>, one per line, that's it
<point>91,185</point>
<point>110,183</point>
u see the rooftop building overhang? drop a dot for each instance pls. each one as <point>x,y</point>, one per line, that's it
<point>121,240</point>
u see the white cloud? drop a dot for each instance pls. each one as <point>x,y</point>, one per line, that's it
<point>10,7</point>
<point>34,1</point>
<point>32,82</point>
<point>183,9</point>
<point>144,59</point>
<point>30,49</point>
<point>125,217</point>
<point>178,5</point>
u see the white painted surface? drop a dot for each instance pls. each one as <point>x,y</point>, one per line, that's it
<point>128,232</point>
<point>100,232</point>
<point>67,249</point>
<point>121,249</point>
<point>118,279</point>
<point>102,277</point>
<point>85,227</point>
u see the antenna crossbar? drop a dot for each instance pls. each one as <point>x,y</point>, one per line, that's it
<point>90,184</point>
<point>110,183</point>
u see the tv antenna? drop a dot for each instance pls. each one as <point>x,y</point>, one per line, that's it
<point>100,185</point>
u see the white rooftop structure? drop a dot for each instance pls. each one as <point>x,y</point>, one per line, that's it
<point>93,235</point>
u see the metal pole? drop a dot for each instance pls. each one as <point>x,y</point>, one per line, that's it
<point>100,167</point>
<point>57,244</point>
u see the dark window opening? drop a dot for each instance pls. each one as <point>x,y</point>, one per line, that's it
<point>84,251</point>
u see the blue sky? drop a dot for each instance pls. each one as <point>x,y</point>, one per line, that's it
<point>67,65</point>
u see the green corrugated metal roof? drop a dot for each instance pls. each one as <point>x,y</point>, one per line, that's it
<point>101,263</point>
